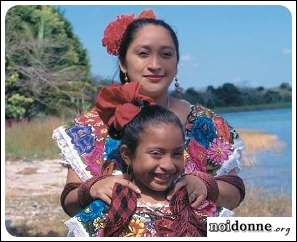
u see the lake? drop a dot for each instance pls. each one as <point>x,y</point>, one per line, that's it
<point>272,170</point>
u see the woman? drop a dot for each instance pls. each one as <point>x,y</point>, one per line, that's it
<point>148,53</point>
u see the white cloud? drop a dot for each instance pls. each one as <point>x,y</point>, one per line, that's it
<point>189,62</point>
<point>186,57</point>
<point>286,51</point>
<point>196,65</point>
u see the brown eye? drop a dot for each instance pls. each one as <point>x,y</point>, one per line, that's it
<point>143,54</point>
<point>167,54</point>
<point>178,154</point>
<point>156,154</point>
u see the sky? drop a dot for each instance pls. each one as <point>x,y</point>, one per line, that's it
<point>246,45</point>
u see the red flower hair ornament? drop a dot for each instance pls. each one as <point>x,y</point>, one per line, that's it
<point>117,104</point>
<point>114,31</point>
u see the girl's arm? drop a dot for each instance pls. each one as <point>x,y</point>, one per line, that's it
<point>76,191</point>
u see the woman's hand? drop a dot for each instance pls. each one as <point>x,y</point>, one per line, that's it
<point>102,189</point>
<point>196,189</point>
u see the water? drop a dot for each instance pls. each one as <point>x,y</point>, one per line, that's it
<point>273,170</point>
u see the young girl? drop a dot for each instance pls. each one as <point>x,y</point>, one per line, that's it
<point>152,151</point>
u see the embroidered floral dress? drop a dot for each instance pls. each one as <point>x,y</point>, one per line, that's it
<point>149,220</point>
<point>212,146</point>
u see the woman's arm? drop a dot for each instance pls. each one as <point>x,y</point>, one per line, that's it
<point>69,199</point>
<point>219,189</point>
<point>229,195</point>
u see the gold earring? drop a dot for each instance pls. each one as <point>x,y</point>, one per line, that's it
<point>126,77</point>
<point>130,171</point>
<point>178,89</point>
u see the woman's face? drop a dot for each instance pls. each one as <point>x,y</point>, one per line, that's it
<point>159,157</point>
<point>151,59</point>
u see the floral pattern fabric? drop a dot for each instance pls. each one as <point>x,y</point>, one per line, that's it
<point>148,220</point>
<point>210,143</point>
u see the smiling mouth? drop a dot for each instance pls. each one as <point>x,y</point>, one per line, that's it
<point>154,77</point>
<point>162,178</point>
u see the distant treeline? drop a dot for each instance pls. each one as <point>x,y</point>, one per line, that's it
<point>229,95</point>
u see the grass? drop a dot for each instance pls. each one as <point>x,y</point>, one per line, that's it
<point>40,216</point>
<point>259,203</point>
<point>32,140</point>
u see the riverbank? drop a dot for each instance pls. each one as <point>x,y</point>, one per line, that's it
<point>32,193</point>
<point>256,141</point>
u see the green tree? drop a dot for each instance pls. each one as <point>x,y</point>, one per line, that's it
<point>47,70</point>
<point>210,98</point>
<point>285,86</point>
<point>193,97</point>
<point>229,94</point>
<point>272,97</point>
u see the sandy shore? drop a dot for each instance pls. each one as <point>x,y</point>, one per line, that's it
<point>256,141</point>
<point>32,190</point>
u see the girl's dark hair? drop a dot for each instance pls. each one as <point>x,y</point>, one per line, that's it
<point>130,33</point>
<point>149,114</point>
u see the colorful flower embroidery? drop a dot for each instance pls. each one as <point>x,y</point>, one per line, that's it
<point>96,209</point>
<point>94,159</point>
<point>222,128</point>
<point>198,156</point>
<point>111,148</point>
<point>81,137</point>
<point>203,130</point>
<point>98,223</point>
<point>190,166</point>
<point>219,151</point>
<point>204,126</point>
<point>93,119</point>
<point>202,111</point>
<point>112,153</point>
<point>136,228</point>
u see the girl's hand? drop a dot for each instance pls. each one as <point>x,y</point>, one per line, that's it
<point>196,189</point>
<point>102,189</point>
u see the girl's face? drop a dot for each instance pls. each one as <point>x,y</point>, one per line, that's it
<point>151,59</point>
<point>159,157</point>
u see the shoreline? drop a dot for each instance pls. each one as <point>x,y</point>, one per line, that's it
<point>248,108</point>
<point>256,141</point>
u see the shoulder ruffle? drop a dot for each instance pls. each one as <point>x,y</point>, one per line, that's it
<point>212,145</point>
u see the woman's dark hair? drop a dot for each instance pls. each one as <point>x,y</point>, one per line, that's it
<point>130,33</point>
<point>149,114</point>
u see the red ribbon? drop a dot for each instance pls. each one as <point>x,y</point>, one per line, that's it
<point>115,104</point>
